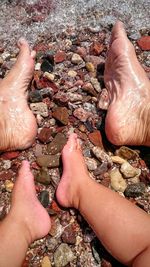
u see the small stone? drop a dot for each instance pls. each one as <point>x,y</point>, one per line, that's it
<point>73,97</point>
<point>49,76</point>
<point>69,235</point>
<point>128,171</point>
<point>56,228</point>
<point>49,161</point>
<point>43,176</point>
<point>91,164</point>
<point>55,177</point>
<point>6,164</point>
<point>45,135</point>
<point>9,186</point>
<point>101,169</point>
<point>60,56</point>
<point>118,160</point>
<point>57,144</point>
<point>46,262</point>
<point>51,243</point>
<point>144,43</point>
<point>37,66</point>
<point>96,84</point>
<point>52,122</point>
<point>88,87</point>
<point>46,66</point>
<point>72,73</point>
<point>61,114</point>
<point>35,96</point>
<point>61,98</point>
<point>96,138</point>
<point>103,102</point>
<point>63,255</point>
<point>90,67</point>
<point>81,114</point>
<point>117,181</point>
<point>96,48</point>
<point>39,120</point>
<point>44,198</point>
<point>126,153</point>
<point>101,155</point>
<point>135,190</point>
<point>39,108</point>
<point>76,59</point>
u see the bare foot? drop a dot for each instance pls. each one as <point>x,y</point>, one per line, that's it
<point>26,209</point>
<point>75,174</point>
<point>18,126</point>
<point>128,117</point>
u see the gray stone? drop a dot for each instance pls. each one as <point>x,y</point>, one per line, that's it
<point>63,255</point>
<point>44,198</point>
<point>91,164</point>
<point>101,155</point>
<point>76,59</point>
<point>39,108</point>
<point>135,190</point>
<point>96,84</point>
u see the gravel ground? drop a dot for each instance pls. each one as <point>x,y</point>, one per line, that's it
<point>67,94</point>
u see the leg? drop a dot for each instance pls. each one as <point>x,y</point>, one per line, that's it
<point>13,103</point>
<point>128,117</point>
<point>26,221</point>
<point>122,227</point>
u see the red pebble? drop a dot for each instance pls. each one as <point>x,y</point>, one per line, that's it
<point>55,207</point>
<point>60,56</point>
<point>34,166</point>
<point>144,43</point>
<point>96,138</point>
<point>45,135</point>
<point>96,48</point>
<point>10,155</point>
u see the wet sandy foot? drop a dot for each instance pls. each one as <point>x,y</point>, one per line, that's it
<point>75,174</point>
<point>26,208</point>
<point>18,126</point>
<point>128,117</point>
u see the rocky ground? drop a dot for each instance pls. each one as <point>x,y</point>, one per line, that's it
<point>67,94</point>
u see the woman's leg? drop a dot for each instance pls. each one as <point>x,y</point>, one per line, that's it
<point>123,228</point>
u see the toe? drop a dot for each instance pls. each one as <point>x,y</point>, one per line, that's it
<point>118,31</point>
<point>72,142</point>
<point>23,46</point>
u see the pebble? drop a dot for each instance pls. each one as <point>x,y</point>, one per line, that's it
<point>57,144</point>
<point>37,66</point>
<point>39,120</point>
<point>126,153</point>
<point>61,114</point>
<point>90,67</point>
<point>49,76</point>
<point>39,108</point>
<point>51,243</point>
<point>88,87</point>
<point>45,135</point>
<point>101,169</point>
<point>144,43</point>
<point>135,190</point>
<point>76,59</point>
<point>96,48</point>
<point>35,96</point>
<point>61,98</point>
<point>73,97</point>
<point>56,227</point>
<point>69,235</point>
<point>46,262</point>
<point>44,198</point>
<point>103,102</point>
<point>118,160</point>
<point>72,73</point>
<point>50,161</point>
<point>96,138</point>
<point>46,66</point>
<point>60,56</point>
<point>117,181</point>
<point>81,114</point>
<point>6,164</point>
<point>9,186</point>
<point>101,155</point>
<point>55,177</point>
<point>63,255</point>
<point>91,164</point>
<point>52,122</point>
<point>96,84</point>
<point>43,176</point>
<point>128,171</point>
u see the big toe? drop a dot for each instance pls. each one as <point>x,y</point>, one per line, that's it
<point>118,31</point>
